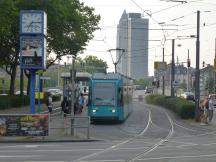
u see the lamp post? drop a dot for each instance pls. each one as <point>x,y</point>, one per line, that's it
<point>119,58</point>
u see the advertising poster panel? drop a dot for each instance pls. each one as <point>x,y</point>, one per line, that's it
<point>32,52</point>
<point>24,125</point>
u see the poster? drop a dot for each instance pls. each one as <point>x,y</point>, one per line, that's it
<point>24,125</point>
<point>32,52</point>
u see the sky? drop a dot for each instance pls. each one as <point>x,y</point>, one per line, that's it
<point>178,21</point>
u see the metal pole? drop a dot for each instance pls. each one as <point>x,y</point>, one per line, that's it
<point>21,86</point>
<point>214,69</point>
<point>197,76</point>
<point>173,68</point>
<point>32,93</point>
<point>72,95</point>
<point>163,86</point>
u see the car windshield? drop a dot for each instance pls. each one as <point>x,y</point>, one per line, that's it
<point>104,94</point>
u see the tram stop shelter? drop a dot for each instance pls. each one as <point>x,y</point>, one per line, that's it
<point>80,77</point>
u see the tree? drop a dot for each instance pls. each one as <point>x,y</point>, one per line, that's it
<point>93,64</point>
<point>70,25</point>
<point>142,82</point>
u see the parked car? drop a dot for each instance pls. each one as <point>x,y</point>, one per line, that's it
<point>18,92</point>
<point>188,96</point>
<point>55,91</point>
<point>148,90</point>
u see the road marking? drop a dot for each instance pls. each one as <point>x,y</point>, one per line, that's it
<point>178,157</point>
<point>17,156</point>
<point>117,145</point>
<point>147,126</point>
<point>62,150</point>
<point>156,145</point>
<point>193,130</point>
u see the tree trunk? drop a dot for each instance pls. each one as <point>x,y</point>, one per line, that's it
<point>12,80</point>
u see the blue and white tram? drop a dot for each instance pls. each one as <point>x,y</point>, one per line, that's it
<point>110,97</point>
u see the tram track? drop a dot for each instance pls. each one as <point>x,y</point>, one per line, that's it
<point>151,148</point>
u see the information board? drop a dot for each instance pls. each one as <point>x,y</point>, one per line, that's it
<point>24,125</point>
<point>32,52</point>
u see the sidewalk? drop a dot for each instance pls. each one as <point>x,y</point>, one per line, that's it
<point>211,126</point>
<point>59,127</point>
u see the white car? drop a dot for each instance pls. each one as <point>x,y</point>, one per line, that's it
<point>54,91</point>
<point>188,96</point>
<point>18,92</point>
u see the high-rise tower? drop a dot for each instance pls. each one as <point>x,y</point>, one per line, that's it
<point>133,36</point>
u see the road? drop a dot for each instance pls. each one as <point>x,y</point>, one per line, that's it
<point>150,134</point>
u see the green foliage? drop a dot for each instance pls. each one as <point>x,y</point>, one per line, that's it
<point>142,82</point>
<point>70,25</point>
<point>184,108</point>
<point>91,64</point>
<point>12,101</point>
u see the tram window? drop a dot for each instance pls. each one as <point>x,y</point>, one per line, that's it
<point>120,96</point>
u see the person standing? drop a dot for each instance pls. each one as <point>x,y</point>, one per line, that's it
<point>81,103</point>
<point>49,103</point>
<point>211,108</point>
<point>205,106</point>
<point>65,106</point>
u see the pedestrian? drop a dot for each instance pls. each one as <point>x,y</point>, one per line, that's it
<point>211,108</point>
<point>49,103</point>
<point>206,107</point>
<point>65,106</point>
<point>81,103</point>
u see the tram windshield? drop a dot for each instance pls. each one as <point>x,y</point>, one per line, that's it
<point>104,94</point>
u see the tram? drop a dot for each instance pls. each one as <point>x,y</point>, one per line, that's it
<point>110,97</point>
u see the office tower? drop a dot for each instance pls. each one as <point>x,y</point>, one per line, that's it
<point>132,36</point>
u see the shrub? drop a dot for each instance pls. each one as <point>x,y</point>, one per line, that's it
<point>184,108</point>
<point>13,101</point>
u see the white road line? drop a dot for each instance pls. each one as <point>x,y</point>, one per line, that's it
<point>117,145</point>
<point>147,126</point>
<point>171,132</point>
<point>178,157</point>
<point>60,150</point>
<point>17,156</point>
<point>193,130</point>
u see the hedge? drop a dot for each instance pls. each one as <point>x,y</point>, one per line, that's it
<point>16,100</point>
<point>184,108</point>
<point>13,101</point>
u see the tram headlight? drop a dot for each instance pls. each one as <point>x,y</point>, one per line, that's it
<point>113,110</point>
<point>94,110</point>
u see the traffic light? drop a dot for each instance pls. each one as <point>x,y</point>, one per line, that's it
<point>188,63</point>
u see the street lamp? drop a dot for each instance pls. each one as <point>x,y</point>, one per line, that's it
<point>119,58</point>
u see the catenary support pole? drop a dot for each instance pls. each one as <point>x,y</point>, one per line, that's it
<point>197,75</point>
<point>173,68</point>
<point>163,86</point>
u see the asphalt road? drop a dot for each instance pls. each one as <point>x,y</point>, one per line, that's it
<point>150,134</point>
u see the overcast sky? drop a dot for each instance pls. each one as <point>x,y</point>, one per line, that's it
<point>179,19</point>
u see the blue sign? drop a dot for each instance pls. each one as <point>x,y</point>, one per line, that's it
<point>32,52</point>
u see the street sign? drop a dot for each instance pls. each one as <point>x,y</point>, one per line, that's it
<point>160,65</point>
